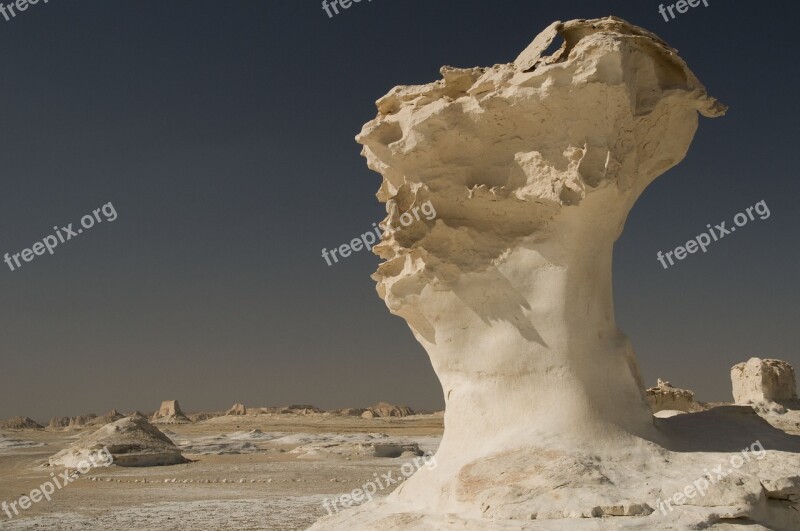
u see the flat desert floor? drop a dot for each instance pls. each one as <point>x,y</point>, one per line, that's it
<point>247,473</point>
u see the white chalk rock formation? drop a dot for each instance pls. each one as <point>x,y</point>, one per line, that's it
<point>59,422</point>
<point>82,420</point>
<point>532,168</point>
<point>169,413</point>
<point>20,423</point>
<point>665,396</point>
<point>131,441</point>
<point>237,409</point>
<point>767,385</point>
<point>384,409</point>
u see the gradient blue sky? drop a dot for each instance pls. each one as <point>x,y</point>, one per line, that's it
<point>222,132</point>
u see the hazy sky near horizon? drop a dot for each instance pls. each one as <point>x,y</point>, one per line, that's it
<point>222,133</point>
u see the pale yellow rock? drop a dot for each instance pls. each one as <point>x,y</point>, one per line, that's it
<point>666,397</point>
<point>130,441</point>
<point>762,382</point>
<point>169,413</point>
<point>532,169</point>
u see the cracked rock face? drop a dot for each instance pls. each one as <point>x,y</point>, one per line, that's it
<point>760,381</point>
<point>532,168</point>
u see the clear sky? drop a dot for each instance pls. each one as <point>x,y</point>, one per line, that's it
<point>222,133</point>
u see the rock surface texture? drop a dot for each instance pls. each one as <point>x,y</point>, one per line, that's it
<point>768,385</point>
<point>664,396</point>
<point>532,168</point>
<point>170,413</point>
<point>20,423</point>
<point>237,409</point>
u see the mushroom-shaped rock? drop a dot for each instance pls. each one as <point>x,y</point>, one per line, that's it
<point>529,170</point>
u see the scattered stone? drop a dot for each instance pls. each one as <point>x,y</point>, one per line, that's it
<point>397,450</point>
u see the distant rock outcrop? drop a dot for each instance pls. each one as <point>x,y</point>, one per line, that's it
<point>767,385</point>
<point>170,413</point>
<point>20,423</point>
<point>82,420</point>
<point>300,410</point>
<point>351,412</point>
<point>198,417</point>
<point>237,409</point>
<point>59,422</point>
<point>131,441</point>
<point>384,409</point>
<point>665,396</point>
<point>102,420</point>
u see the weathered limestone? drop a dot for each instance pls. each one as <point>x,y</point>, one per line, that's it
<point>666,397</point>
<point>59,422</point>
<point>132,441</point>
<point>384,409</point>
<point>300,409</point>
<point>169,413</point>
<point>237,409</point>
<point>82,420</point>
<point>20,423</point>
<point>758,380</point>
<point>532,168</point>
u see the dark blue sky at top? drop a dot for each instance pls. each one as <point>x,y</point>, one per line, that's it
<point>222,132</point>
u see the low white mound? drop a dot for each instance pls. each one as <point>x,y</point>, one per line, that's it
<point>357,445</point>
<point>667,413</point>
<point>131,441</point>
<point>240,442</point>
<point>20,423</point>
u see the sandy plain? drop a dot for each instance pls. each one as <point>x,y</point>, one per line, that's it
<point>267,471</point>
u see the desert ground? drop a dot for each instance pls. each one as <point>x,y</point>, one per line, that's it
<point>269,471</point>
<point>246,472</point>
